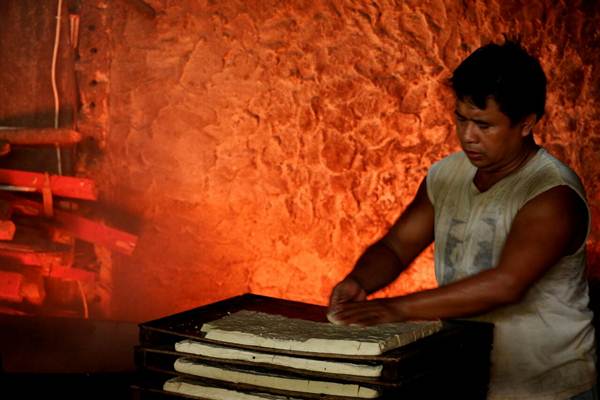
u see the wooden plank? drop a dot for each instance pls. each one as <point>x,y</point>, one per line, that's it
<point>10,286</point>
<point>7,230</point>
<point>40,136</point>
<point>97,232</point>
<point>72,273</point>
<point>81,227</point>
<point>45,260</point>
<point>65,186</point>
<point>34,245</point>
<point>5,209</point>
<point>7,227</point>
<point>4,148</point>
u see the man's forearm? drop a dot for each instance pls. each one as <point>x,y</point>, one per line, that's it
<point>377,267</point>
<point>470,296</point>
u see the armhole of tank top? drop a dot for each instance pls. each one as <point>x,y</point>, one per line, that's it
<point>434,170</point>
<point>428,187</point>
<point>589,221</point>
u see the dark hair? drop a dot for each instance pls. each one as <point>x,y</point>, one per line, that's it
<point>506,73</point>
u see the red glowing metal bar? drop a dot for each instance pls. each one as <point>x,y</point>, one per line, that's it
<point>80,227</point>
<point>65,186</point>
<point>10,286</point>
<point>40,136</point>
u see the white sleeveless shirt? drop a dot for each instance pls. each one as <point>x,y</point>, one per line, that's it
<point>544,345</point>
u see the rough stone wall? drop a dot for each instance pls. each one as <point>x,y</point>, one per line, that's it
<point>263,144</point>
<point>27,30</point>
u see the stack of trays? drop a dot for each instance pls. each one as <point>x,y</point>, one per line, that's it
<point>287,351</point>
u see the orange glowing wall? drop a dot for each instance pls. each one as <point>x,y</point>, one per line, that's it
<point>262,144</point>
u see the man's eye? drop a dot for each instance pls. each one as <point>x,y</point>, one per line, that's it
<point>483,126</point>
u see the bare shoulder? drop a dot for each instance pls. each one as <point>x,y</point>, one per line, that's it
<point>559,210</point>
<point>550,226</point>
<point>562,200</point>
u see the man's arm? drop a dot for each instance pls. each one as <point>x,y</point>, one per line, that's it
<point>378,266</point>
<point>549,227</point>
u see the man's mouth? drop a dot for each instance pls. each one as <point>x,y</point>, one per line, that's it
<point>472,154</point>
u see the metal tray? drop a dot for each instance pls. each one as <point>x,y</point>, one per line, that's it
<point>455,357</point>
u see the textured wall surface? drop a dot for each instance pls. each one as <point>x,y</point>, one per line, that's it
<point>26,98</point>
<point>263,144</point>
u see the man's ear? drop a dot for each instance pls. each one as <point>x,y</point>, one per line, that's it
<point>527,124</point>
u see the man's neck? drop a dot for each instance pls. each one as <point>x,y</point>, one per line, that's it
<point>485,179</point>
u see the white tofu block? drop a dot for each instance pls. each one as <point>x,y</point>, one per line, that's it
<point>324,366</point>
<point>278,332</point>
<point>187,366</point>
<point>190,388</point>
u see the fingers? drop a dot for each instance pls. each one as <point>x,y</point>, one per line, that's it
<point>333,319</point>
<point>365,313</point>
<point>361,316</point>
<point>346,291</point>
<point>341,294</point>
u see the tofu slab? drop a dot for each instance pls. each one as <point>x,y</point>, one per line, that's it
<point>195,389</point>
<point>280,382</point>
<point>278,332</point>
<point>302,363</point>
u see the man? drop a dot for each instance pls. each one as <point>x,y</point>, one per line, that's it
<point>509,223</point>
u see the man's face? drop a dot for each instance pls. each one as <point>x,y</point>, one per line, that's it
<point>487,136</point>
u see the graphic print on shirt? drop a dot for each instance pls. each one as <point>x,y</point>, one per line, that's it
<point>485,253</point>
<point>453,250</point>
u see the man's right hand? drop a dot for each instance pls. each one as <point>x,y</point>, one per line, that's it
<point>348,290</point>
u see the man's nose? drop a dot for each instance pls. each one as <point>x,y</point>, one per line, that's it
<point>469,132</point>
